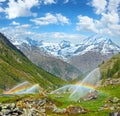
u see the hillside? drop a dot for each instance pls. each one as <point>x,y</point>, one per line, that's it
<point>111,68</point>
<point>88,61</point>
<point>16,68</point>
<point>49,63</point>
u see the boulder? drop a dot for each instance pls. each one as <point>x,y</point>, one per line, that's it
<point>75,110</point>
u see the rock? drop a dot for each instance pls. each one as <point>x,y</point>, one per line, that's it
<point>59,96</point>
<point>51,107</point>
<point>75,110</point>
<point>4,106</point>
<point>106,105</point>
<point>112,108</point>
<point>6,111</point>
<point>115,100</point>
<point>21,104</point>
<point>111,82</point>
<point>54,108</point>
<point>12,105</point>
<point>27,112</point>
<point>0,108</point>
<point>60,111</point>
<point>91,96</point>
<point>41,103</point>
<point>1,114</point>
<point>101,108</point>
<point>114,114</point>
<point>42,110</point>
<point>39,107</point>
<point>112,104</point>
<point>10,110</point>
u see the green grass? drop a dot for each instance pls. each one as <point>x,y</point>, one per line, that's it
<point>111,90</point>
<point>11,98</point>
<point>15,98</point>
<point>93,105</point>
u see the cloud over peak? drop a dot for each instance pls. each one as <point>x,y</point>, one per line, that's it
<point>109,22</point>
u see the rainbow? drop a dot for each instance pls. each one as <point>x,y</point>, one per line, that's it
<point>86,85</point>
<point>73,87</point>
<point>82,88</point>
<point>24,88</point>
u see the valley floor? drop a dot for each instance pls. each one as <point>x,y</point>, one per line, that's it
<point>106,103</point>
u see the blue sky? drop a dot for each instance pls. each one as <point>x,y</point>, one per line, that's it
<point>55,20</point>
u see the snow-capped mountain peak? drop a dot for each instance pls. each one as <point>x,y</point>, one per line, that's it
<point>63,44</point>
<point>97,43</point>
<point>66,50</point>
<point>32,42</point>
<point>96,39</point>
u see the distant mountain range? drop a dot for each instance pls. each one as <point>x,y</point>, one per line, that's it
<point>85,56</point>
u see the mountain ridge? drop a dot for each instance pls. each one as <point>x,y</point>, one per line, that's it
<point>94,49</point>
<point>66,49</point>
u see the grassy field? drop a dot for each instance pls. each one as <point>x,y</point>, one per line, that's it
<point>93,105</point>
<point>62,102</point>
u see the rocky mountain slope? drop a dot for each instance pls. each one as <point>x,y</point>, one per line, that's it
<point>16,68</point>
<point>49,63</point>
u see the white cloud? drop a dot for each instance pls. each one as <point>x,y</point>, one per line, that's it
<point>15,23</point>
<point>60,35</point>
<point>24,26</point>
<point>21,33</point>
<point>66,1</point>
<point>113,5</point>
<point>2,0</point>
<point>109,22</point>
<point>62,19</point>
<point>51,19</point>
<point>110,18</point>
<point>18,31</point>
<point>20,8</point>
<point>1,9</point>
<point>99,5</point>
<point>115,29</point>
<point>49,2</point>
<point>86,23</point>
